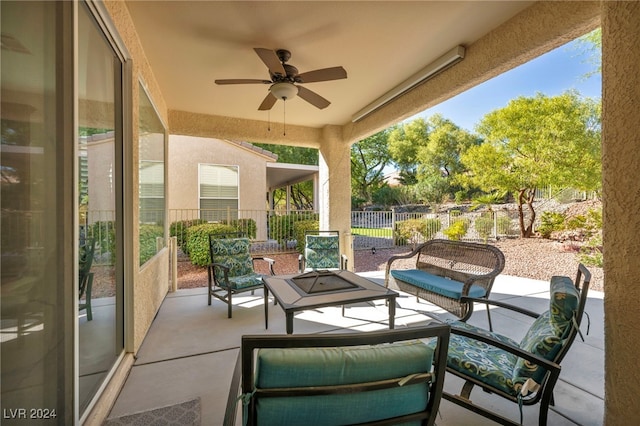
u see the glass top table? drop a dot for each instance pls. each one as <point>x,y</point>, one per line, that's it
<point>317,289</point>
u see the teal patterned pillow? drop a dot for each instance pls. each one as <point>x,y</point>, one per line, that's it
<point>234,254</point>
<point>322,252</point>
<point>546,336</point>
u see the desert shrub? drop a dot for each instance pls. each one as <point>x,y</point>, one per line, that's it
<point>550,222</point>
<point>148,236</point>
<point>591,252</point>
<point>198,241</point>
<point>414,231</point>
<point>179,228</point>
<point>505,226</point>
<point>300,228</point>
<point>457,229</point>
<point>484,227</point>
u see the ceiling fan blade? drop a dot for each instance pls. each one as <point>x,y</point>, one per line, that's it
<point>313,98</point>
<point>267,102</point>
<point>242,81</point>
<point>271,60</point>
<point>325,74</point>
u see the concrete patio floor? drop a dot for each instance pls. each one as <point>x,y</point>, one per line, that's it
<point>191,349</point>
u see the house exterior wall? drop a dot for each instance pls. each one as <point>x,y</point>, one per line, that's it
<point>186,152</point>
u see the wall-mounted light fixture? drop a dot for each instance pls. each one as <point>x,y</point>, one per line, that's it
<point>451,57</point>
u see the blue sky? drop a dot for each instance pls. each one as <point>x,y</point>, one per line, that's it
<point>554,73</point>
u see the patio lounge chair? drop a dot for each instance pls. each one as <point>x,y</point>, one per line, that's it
<point>231,270</point>
<point>526,372</point>
<point>384,377</point>
<point>321,251</point>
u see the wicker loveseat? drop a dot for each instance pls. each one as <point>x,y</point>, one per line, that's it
<point>444,272</point>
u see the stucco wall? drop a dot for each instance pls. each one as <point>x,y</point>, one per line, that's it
<point>186,152</point>
<point>621,191</point>
<point>152,285</point>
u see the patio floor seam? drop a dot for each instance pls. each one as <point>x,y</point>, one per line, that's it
<point>186,356</point>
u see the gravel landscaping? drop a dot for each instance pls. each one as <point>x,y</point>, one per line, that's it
<point>524,257</point>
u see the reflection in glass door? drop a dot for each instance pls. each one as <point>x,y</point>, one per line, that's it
<point>100,321</point>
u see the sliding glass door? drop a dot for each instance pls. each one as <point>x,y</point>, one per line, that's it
<point>99,164</point>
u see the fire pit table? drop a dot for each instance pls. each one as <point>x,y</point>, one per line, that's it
<point>317,289</point>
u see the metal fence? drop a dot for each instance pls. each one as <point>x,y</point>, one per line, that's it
<point>274,231</point>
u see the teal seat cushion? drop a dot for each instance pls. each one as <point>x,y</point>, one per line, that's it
<point>482,361</point>
<point>544,338</point>
<point>245,281</point>
<point>436,284</point>
<point>322,252</point>
<point>303,367</point>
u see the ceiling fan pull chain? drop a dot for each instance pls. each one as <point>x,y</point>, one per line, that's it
<point>268,120</point>
<point>284,120</point>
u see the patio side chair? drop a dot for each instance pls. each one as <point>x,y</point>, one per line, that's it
<point>85,276</point>
<point>525,372</point>
<point>372,378</point>
<point>231,270</point>
<point>322,252</point>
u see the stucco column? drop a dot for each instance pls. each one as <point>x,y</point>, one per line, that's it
<point>335,187</point>
<point>621,203</point>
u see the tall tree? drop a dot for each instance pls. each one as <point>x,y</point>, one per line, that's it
<point>534,142</point>
<point>369,157</point>
<point>430,151</point>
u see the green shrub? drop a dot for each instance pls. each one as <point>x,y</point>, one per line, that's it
<point>246,226</point>
<point>148,236</point>
<point>198,241</point>
<point>179,228</point>
<point>104,232</point>
<point>484,227</point>
<point>457,229</point>
<point>281,227</point>
<point>300,228</point>
<point>549,222</point>
<point>591,252</point>
<point>415,230</point>
<point>505,226</point>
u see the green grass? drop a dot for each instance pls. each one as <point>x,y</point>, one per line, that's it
<point>373,232</point>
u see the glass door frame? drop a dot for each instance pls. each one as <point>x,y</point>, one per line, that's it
<point>124,194</point>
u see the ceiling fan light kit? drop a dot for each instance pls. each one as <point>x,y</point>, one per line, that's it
<point>443,62</point>
<point>284,91</point>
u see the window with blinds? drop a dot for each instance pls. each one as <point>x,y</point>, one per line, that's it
<point>218,192</point>
<point>151,191</point>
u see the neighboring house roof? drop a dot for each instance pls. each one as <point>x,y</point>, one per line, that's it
<point>251,147</point>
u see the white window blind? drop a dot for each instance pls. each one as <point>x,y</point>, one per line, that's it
<point>218,192</point>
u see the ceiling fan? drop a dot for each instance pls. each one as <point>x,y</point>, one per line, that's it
<point>283,76</point>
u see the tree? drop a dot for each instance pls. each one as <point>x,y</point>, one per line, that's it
<point>369,157</point>
<point>535,142</point>
<point>591,45</point>
<point>301,193</point>
<point>428,153</point>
